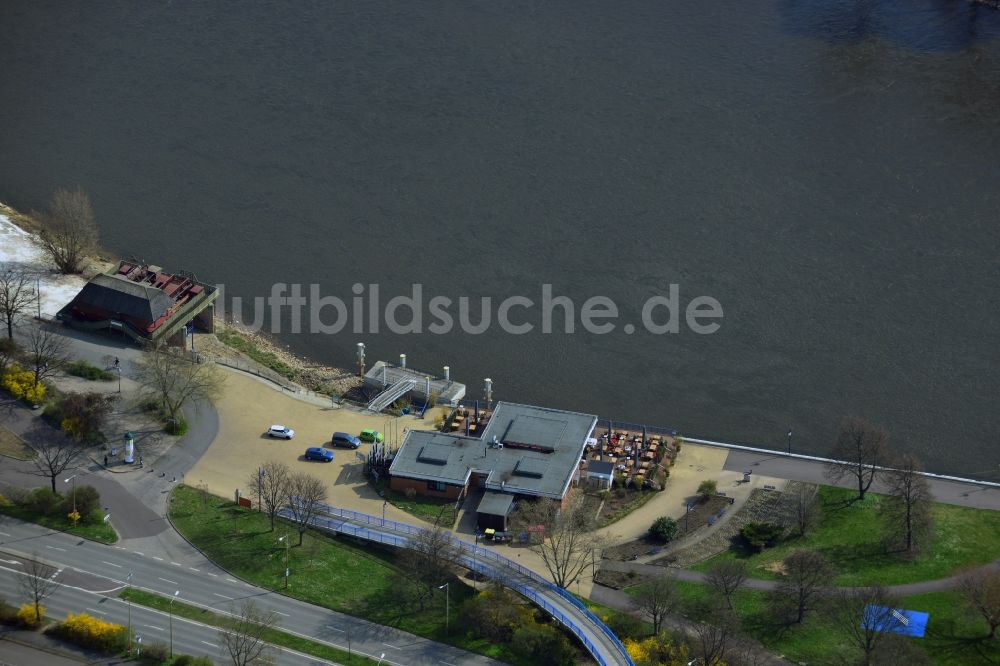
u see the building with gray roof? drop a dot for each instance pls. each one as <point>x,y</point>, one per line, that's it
<point>524,451</point>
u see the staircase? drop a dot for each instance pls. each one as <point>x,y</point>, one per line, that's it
<point>391,394</point>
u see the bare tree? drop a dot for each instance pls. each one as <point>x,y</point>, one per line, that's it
<point>244,639</point>
<point>726,577</point>
<point>804,506</point>
<point>428,560</point>
<point>863,615</point>
<point>859,451</point>
<point>269,486</point>
<point>806,574</point>
<point>37,583</point>
<point>712,642</point>
<point>17,294</point>
<point>570,541</point>
<point>981,589</point>
<point>305,498</point>
<point>907,509</point>
<point>54,455</point>
<point>173,381</point>
<point>69,231</point>
<point>46,351</point>
<point>657,599</point>
<point>8,352</point>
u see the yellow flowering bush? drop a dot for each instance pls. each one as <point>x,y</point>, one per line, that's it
<point>658,651</point>
<point>89,631</point>
<point>26,615</point>
<point>21,384</point>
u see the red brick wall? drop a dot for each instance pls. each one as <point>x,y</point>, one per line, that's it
<point>400,484</point>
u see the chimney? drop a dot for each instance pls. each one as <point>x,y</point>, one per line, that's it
<point>447,373</point>
<point>402,361</point>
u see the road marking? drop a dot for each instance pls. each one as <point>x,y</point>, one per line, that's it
<point>111,564</point>
<point>280,613</point>
<point>56,548</point>
<point>193,569</point>
<point>139,554</point>
<point>152,627</point>
<point>94,610</point>
<point>223,596</point>
<point>213,575</point>
<point>392,646</point>
<point>232,581</point>
<point>177,564</point>
<point>172,582</point>
<point>4,534</point>
<point>157,558</point>
<point>335,629</point>
<point>14,562</point>
<point>448,663</point>
<point>207,643</point>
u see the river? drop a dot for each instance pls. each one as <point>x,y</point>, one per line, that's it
<point>827,171</point>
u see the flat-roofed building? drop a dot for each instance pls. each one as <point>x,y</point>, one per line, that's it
<point>524,451</point>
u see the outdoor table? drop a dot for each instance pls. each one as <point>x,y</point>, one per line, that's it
<point>644,465</point>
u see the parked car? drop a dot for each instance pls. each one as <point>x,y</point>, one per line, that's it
<point>320,454</point>
<point>281,432</point>
<point>371,435</point>
<point>343,440</point>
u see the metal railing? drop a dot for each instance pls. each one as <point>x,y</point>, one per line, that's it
<point>478,559</point>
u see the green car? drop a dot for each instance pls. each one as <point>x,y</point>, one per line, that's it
<point>370,435</point>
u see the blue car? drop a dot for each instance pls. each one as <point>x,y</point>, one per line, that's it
<point>316,453</point>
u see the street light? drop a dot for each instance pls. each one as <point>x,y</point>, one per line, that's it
<point>385,503</point>
<point>447,605</point>
<point>170,610</point>
<point>73,479</point>
<point>128,579</point>
<point>285,539</point>
<point>119,369</point>
<point>380,658</point>
<point>789,440</point>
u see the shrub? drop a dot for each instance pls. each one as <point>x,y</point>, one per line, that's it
<point>88,631</point>
<point>82,368</point>
<point>27,617</point>
<point>8,613</point>
<point>154,653</point>
<point>178,427</point>
<point>761,535</point>
<point>188,660</point>
<point>81,415</point>
<point>542,644</point>
<point>4,502</point>
<point>707,488</point>
<point>410,493</point>
<point>663,529</point>
<point>86,500</point>
<point>43,502</point>
<point>94,517</point>
<point>625,625</point>
<point>21,384</point>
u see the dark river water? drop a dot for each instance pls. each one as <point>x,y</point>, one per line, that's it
<point>827,170</point>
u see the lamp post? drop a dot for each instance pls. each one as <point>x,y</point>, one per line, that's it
<point>170,610</point>
<point>380,658</point>
<point>447,605</point>
<point>261,473</point>
<point>119,369</point>
<point>687,512</point>
<point>73,479</point>
<point>128,579</point>
<point>285,539</point>
<point>789,440</point>
<point>385,503</point>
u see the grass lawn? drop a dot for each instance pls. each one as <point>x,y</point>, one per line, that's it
<point>274,635</point>
<point>13,446</point>
<point>431,509</point>
<point>954,636</point>
<point>848,535</point>
<point>326,570</point>
<point>232,338</point>
<point>102,532</point>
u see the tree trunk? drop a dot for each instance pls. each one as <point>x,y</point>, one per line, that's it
<point>301,532</point>
<point>52,478</point>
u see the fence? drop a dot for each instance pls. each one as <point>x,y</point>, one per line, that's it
<point>263,373</point>
<point>478,560</point>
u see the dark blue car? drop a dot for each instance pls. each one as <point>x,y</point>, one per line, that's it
<point>316,453</point>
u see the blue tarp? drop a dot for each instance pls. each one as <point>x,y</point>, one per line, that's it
<point>905,622</point>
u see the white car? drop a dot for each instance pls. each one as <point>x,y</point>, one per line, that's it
<point>280,432</point>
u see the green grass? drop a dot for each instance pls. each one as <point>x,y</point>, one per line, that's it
<point>233,339</point>
<point>274,635</point>
<point>954,636</point>
<point>849,535</point>
<point>13,446</point>
<point>431,509</point>
<point>102,532</point>
<point>82,368</point>
<point>326,570</point>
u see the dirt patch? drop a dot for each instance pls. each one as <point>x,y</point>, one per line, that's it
<point>617,580</point>
<point>776,567</point>
<point>697,519</point>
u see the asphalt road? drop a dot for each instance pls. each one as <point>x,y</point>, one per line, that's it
<point>94,566</point>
